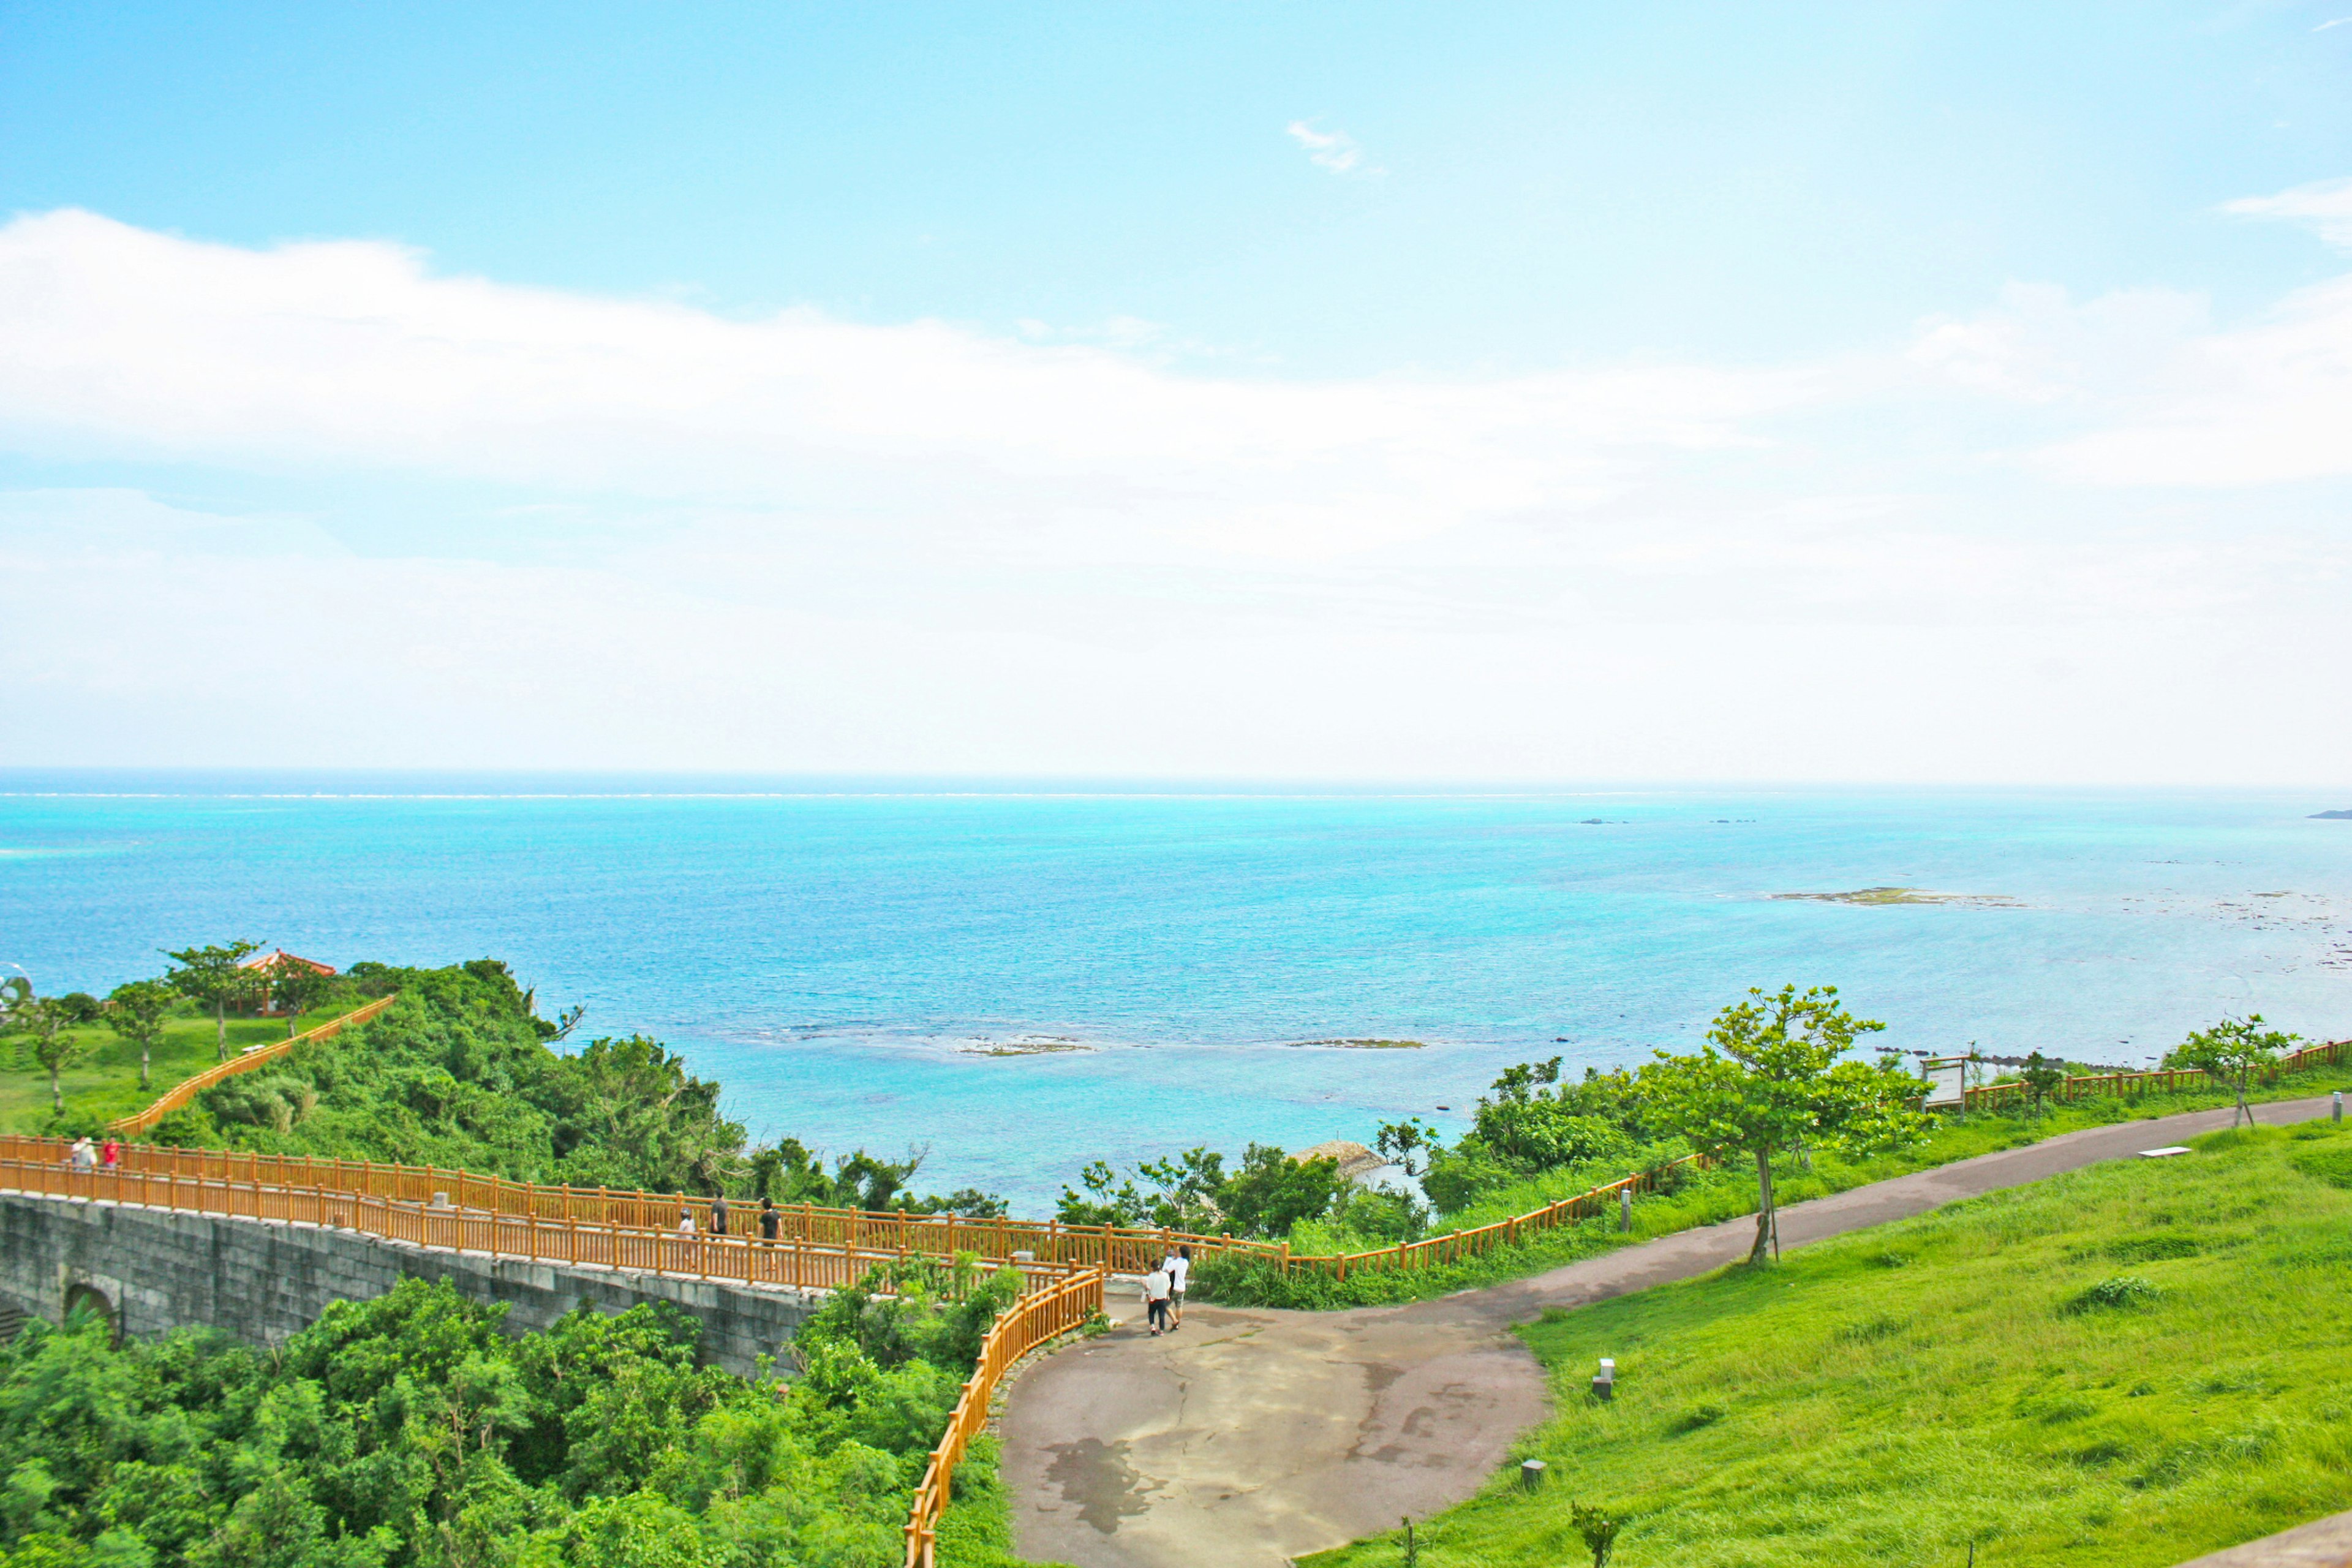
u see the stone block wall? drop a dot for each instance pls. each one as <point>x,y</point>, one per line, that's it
<point>261,1280</point>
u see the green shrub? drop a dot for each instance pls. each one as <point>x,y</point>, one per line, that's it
<point>2118,1290</point>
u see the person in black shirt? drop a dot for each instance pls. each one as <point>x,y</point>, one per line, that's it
<point>718,1215</point>
<point>770,1219</point>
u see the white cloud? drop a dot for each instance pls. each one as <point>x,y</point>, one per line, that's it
<point>1333,150</point>
<point>2144,389</point>
<point>125,343</point>
<point>2325,204</point>
<point>655,536</point>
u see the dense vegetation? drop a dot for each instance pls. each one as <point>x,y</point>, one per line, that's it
<point>1498,1170</point>
<point>2125,1366</point>
<point>460,1073</point>
<point>410,1431</point>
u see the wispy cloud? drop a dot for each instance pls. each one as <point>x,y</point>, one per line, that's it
<point>1333,150</point>
<point>2324,206</point>
<point>2339,22</point>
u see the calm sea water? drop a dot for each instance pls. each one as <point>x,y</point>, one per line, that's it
<point>840,959</point>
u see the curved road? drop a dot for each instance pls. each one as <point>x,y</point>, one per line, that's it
<point>1251,1435</point>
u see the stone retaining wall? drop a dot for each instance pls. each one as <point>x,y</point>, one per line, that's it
<point>261,1280</point>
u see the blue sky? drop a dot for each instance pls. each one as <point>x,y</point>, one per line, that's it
<point>1538,391</point>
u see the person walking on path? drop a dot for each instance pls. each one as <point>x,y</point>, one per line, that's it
<point>718,1215</point>
<point>770,1221</point>
<point>685,1221</point>
<point>1180,1269</point>
<point>110,1156</point>
<point>84,1156</point>
<point>1155,1299</point>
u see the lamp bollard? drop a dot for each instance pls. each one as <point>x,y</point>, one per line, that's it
<point>1625,1206</point>
<point>1531,1474</point>
<point>1604,1381</point>
<point>2339,1105</point>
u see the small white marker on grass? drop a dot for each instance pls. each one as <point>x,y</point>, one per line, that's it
<point>2161,1154</point>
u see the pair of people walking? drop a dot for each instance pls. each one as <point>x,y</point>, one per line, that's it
<point>84,1156</point>
<point>770,1219</point>
<point>1164,1291</point>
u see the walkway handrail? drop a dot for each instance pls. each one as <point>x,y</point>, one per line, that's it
<point>187,1088</point>
<point>1035,1318</point>
<point>743,1259</point>
<point>2163,1080</point>
<point>1114,1249</point>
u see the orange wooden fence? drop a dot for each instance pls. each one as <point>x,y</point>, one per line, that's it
<point>1022,1327</point>
<point>2164,1080</point>
<point>1116,1249</point>
<point>186,1089</point>
<point>744,1259</point>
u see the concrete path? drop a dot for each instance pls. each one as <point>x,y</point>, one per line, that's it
<point>2322,1543</point>
<point>1251,1436</point>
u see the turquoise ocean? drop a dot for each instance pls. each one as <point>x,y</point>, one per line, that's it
<point>854,958</point>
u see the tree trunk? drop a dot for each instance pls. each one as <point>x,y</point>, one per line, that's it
<point>290,1024</point>
<point>220,1028</point>
<point>1763,1205</point>
<point>2244,1109</point>
<point>145,1050</point>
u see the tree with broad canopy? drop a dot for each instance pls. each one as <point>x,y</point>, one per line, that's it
<point>1770,1078</point>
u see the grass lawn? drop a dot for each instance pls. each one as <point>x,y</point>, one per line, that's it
<point>2131,1364</point>
<point>105,1083</point>
<point>1717,1195</point>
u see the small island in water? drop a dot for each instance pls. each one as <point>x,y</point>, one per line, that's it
<point>1908,895</point>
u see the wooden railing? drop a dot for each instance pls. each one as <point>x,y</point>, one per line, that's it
<point>793,1263</point>
<point>1029,1322</point>
<point>186,1089</point>
<point>2164,1080</point>
<point>1113,1249</point>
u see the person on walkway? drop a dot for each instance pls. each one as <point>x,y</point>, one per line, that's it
<point>771,1221</point>
<point>1180,1269</point>
<point>718,1215</point>
<point>685,1222</point>
<point>84,1156</point>
<point>1155,1299</point>
<point>111,1156</point>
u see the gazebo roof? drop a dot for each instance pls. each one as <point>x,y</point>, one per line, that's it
<point>278,955</point>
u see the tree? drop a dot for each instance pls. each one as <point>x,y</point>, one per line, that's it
<point>1408,1145</point>
<point>48,1020</point>
<point>297,987</point>
<point>1769,1076</point>
<point>2041,1077</point>
<point>2231,1050</point>
<point>1599,1528</point>
<point>135,1011</point>
<point>214,977</point>
<point>1272,1191</point>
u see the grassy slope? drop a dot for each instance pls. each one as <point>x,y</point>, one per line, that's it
<point>1887,1397</point>
<point>1726,1194</point>
<point>976,1531</point>
<point>105,1084</point>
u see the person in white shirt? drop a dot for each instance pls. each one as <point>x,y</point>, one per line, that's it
<point>85,1158</point>
<point>1180,1269</point>
<point>685,1222</point>
<point>1155,1299</point>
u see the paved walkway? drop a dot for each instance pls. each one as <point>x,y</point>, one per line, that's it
<point>1251,1436</point>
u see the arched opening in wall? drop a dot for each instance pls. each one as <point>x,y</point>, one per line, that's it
<point>90,1298</point>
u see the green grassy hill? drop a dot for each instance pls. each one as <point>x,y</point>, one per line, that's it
<point>105,1083</point>
<point>2128,1365</point>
